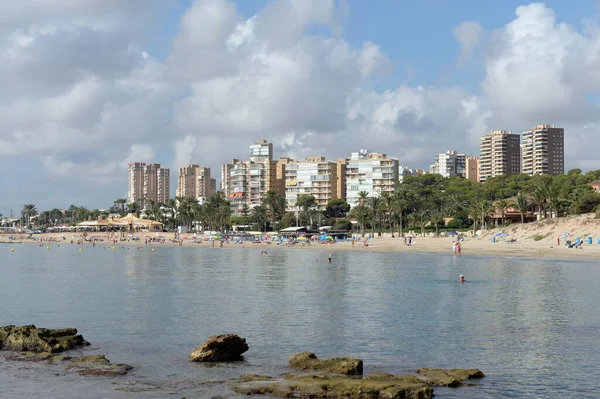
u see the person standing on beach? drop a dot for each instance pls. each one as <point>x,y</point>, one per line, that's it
<point>329,259</point>
<point>458,248</point>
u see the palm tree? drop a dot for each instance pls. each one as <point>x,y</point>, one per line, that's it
<point>473,213</point>
<point>501,207</point>
<point>275,204</point>
<point>374,203</point>
<point>539,196</point>
<point>404,198</point>
<point>486,209</point>
<point>27,212</point>
<point>134,207</point>
<point>153,210</point>
<point>362,214</point>
<point>522,204</point>
<point>260,215</point>
<point>120,203</point>
<point>362,197</point>
<point>436,216</point>
<point>388,205</point>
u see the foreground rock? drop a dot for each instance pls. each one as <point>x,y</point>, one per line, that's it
<point>307,361</point>
<point>98,365</point>
<point>337,386</point>
<point>448,378</point>
<point>32,339</point>
<point>373,386</point>
<point>220,348</point>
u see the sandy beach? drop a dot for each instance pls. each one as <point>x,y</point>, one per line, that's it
<point>533,240</point>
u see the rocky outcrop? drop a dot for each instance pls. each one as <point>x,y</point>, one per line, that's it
<point>98,365</point>
<point>32,339</point>
<point>307,361</point>
<point>220,348</point>
<point>337,386</point>
<point>448,378</point>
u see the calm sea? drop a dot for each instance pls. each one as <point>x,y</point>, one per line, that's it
<point>531,325</point>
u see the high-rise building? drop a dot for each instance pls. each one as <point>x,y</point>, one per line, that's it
<point>449,164</point>
<point>543,151</point>
<point>472,168</point>
<point>148,182</point>
<point>246,183</point>
<point>315,176</point>
<point>374,173</point>
<point>195,182</point>
<point>405,171</point>
<point>499,154</point>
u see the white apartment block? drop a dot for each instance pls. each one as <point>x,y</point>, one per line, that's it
<point>449,164</point>
<point>375,173</point>
<point>315,176</point>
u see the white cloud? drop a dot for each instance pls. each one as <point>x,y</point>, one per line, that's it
<point>468,35</point>
<point>82,97</point>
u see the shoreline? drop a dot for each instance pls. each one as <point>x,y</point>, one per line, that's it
<point>434,245</point>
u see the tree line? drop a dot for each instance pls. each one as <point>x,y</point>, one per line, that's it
<point>421,202</point>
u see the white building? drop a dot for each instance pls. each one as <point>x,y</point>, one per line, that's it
<point>315,176</point>
<point>374,173</point>
<point>449,164</point>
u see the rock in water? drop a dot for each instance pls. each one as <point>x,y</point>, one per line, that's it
<point>448,378</point>
<point>220,348</point>
<point>337,386</point>
<point>33,339</point>
<point>98,365</point>
<point>307,361</point>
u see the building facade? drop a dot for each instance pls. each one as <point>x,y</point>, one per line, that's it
<point>405,171</point>
<point>499,154</point>
<point>195,181</point>
<point>314,176</point>
<point>148,182</point>
<point>449,164</point>
<point>246,183</point>
<point>472,168</point>
<point>543,151</point>
<point>375,173</point>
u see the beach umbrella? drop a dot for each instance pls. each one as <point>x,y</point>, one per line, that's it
<point>453,233</point>
<point>564,235</point>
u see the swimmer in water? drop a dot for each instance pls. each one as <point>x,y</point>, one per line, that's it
<point>461,279</point>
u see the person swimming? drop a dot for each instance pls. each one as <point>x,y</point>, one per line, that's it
<point>461,278</point>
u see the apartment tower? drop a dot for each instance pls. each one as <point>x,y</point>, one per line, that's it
<point>246,183</point>
<point>147,182</point>
<point>543,151</point>
<point>499,154</point>
<point>375,173</point>
<point>449,164</point>
<point>314,176</point>
<point>195,182</point>
<point>472,168</point>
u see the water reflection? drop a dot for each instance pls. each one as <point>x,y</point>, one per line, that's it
<point>530,325</point>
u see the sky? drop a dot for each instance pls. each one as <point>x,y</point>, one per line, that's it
<point>87,86</point>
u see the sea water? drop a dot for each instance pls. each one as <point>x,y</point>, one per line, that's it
<point>531,326</point>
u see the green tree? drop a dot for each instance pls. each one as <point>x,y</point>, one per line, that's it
<point>306,202</point>
<point>260,216</point>
<point>362,215</point>
<point>28,211</point>
<point>501,207</point>
<point>134,207</point>
<point>337,207</point>
<point>521,203</point>
<point>275,204</point>
<point>362,197</point>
